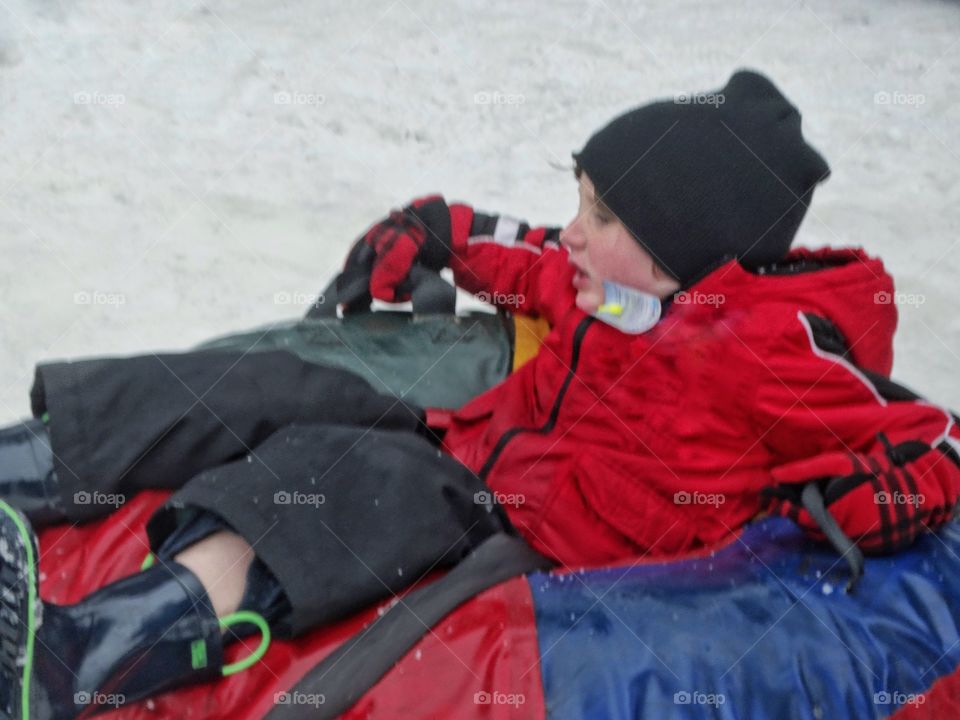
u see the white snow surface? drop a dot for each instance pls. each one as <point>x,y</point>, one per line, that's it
<point>171,171</point>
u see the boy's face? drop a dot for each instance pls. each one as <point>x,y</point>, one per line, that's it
<point>601,248</point>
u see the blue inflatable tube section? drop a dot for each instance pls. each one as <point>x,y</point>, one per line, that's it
<point>760,630</point>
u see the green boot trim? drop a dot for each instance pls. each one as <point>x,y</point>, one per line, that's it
<point>246,616</point>
<point>25,535</point>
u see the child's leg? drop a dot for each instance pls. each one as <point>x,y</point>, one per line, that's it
<point>221,563</point>
<point>119,425</point>
<point>341,517</point>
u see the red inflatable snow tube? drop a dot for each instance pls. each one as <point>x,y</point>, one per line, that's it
<point>489,642</point>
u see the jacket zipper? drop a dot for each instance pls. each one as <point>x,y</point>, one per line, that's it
<point>511,433</point>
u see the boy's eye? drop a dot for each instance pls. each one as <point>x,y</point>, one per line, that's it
<point>602,218</point>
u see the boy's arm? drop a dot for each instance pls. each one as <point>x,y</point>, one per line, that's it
<point>886,461</point>
<point>501,260</point>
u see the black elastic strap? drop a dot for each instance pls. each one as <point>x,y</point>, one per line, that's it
<point>430,293</point>
<point>358,664</point>
<point>812,500</point>
<point>326,305</point>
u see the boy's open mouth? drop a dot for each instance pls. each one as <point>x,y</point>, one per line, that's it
<point>580,276</point>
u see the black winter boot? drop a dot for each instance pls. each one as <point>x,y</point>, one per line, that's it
<point>27,478</point>
<point>140,636</point>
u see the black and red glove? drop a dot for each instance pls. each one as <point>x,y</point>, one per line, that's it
<point>417,234</point>
<point>882,502</point>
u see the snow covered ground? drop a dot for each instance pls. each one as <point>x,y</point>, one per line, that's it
<point>172,171</point>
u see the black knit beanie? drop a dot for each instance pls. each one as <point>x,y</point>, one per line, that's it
<point>706,177</point>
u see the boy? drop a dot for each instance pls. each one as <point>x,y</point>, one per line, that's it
<point>697,373</point>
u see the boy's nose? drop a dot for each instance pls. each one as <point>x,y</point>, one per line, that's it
<point>571,236</point>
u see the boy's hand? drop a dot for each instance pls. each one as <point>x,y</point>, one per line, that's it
<point>389,249</point>
<point>395,242</point>
<point>881,501</point>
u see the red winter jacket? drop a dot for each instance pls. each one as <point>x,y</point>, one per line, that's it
<point>608,445</point>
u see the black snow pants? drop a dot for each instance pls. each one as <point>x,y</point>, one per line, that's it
<point>340,490</point>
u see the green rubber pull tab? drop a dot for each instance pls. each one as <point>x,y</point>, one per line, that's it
<point>198,654</point>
